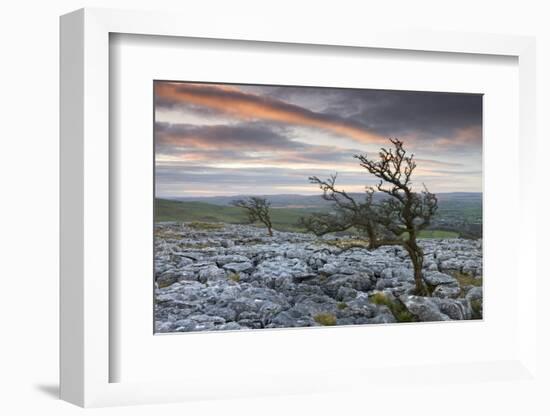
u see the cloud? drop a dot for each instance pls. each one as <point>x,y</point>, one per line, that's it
<point>252,107</point>
<point>229,137</point>
<point>243,143</point>
<point>416,115</point>
<point>243,136</point>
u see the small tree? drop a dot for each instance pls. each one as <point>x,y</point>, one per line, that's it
<point>257,209</point>
<point>396,220</point>
<point>347,212</point>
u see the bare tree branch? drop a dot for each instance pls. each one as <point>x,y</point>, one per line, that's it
<point>397,220</point>
<point>257,209</point>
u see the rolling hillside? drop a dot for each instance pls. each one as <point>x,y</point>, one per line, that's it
<point>284,219</point>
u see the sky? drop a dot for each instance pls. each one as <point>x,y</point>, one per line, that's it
<point>228,139</point>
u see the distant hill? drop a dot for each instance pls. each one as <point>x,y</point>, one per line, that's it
<point>459,212</point>
<point>277,201</point>
<point>284,219</point>
<point>310,201</point>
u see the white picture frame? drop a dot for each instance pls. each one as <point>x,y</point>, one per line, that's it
<point>86,355</point>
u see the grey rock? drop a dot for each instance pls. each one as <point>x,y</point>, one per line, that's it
<point>297,253</point>
<point>228,244</point>
<point>425,309</point>
<point>345,293</point>
<point>438,278</point>
<point>385,317</point>
<point>403,274</point>
<point>456,309</point>
<point>167,278</point>
<point>447,291</point>
<point>475,294</point>
<point>288,279</point>
<point>359,282</point>
<point>230,326</point>
<point>182,260</point>
<point>210,273</point>
<point>228,259</point>
<point>291,318</point>
<point>451,265</point>
<point>238,267</point>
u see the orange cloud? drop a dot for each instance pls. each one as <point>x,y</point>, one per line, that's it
<point>246,106</point>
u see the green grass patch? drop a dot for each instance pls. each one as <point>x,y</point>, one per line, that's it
<point>437,234</point>
<point>236,277</point>
<point>476,309</point>
<point>197,225</point>
<point>325,319</point>
<point>467,280</point>
<point>398,310</point>
<point>286,218</point>
<point>283,219</point>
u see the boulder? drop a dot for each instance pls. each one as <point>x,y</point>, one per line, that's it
<point>475,294</point>
<point>167,278</point>
<point>297,253</point>
<point>425,309</point>
<point>280,272</point>
<point>228,259</point>
<point>437,278</point>
<point>447,291</point>
<point>238,267</point>
<point>456,309</point>
<point>211,273</point>
<point>359,282</point>
<point>345,293</point>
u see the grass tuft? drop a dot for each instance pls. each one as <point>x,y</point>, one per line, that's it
<point>236,277</point>
<point>476,309</point>
<point>325,319</point>
<point>399,311</point>
<point>341,305</point>
<point>467,280</point>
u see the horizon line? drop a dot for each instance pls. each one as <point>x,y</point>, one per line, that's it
<point>286,194</point>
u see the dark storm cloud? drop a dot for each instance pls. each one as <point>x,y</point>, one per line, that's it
<point>427,115</point>
<point>418,116</point>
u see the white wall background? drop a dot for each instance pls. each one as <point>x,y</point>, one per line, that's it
<point>29,56</point>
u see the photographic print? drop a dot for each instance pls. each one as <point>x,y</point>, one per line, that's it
<point>290,206</point>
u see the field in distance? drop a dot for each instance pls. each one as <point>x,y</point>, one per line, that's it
<point>459,213</point>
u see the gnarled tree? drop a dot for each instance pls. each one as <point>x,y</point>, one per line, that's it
<point>396,220</point>
<point>257,209</point>
<point>347,212</point>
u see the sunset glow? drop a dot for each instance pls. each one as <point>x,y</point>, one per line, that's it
<point>216,139</point>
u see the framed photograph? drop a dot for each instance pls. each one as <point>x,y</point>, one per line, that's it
<point>247,215</point>
<point>288,206</point>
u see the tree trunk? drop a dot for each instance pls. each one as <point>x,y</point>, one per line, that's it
<point>417,257</point>
<point>371,236</point>
<point>269,231</point>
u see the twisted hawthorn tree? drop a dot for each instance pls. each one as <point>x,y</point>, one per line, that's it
<point>257,209</point>
<point>396,220</point>
<point>347,212</point>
